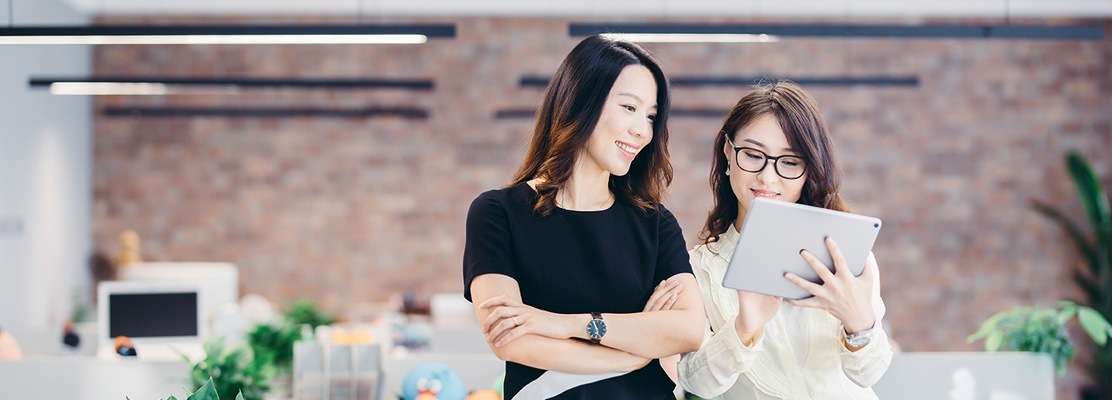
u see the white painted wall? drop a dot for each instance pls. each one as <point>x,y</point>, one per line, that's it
<point>45,187</point>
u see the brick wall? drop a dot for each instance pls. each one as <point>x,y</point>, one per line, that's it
<point>350,210</point>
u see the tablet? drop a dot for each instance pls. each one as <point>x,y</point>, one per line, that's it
<point>775,231</point>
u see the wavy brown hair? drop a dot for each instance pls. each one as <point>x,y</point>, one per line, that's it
<point>572,106</point>
<point>806,131</point>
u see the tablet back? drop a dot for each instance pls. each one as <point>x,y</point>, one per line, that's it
<point>775,231</point>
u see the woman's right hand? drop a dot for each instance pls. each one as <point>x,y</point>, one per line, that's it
<point>664,296</point>
<point>754,311</point>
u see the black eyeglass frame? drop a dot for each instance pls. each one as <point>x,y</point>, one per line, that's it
<point>775,160</point>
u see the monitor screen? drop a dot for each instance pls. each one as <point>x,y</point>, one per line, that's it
<point>152,315</point>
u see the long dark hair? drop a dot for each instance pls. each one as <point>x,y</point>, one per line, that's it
<point>572,105</point>
<point>806,131</point>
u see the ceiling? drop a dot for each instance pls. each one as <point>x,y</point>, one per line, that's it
<point>613,8</point>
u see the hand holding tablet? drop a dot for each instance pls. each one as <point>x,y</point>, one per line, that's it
<point>775,232</point>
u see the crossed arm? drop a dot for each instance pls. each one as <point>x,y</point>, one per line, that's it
<point>672,323</point>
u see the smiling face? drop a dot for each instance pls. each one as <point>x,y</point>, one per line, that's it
<point>625,125</point>
<point>763,133</point>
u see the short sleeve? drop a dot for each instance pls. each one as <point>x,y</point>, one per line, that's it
<point>486,248</point>
<point>672,257</point>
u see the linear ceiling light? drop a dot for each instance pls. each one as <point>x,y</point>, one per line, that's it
<point>227,34</point>
<point>693,38</point>
<point>712,32</point>
<point>210,85</point>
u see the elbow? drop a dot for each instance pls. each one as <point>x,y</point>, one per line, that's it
<point>509,352</point>
<point>692,335</point>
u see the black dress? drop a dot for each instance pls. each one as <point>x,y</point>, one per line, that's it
<point>575,262</point>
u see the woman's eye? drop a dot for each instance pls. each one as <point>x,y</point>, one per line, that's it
<point>652,118</point>
<point>792,163</point>
<point>753,155</point>
<point>630,108</point>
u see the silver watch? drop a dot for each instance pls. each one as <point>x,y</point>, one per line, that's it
<point>860,338</point>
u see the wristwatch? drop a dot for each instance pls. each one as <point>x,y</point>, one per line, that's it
<point>596,328</point>
<point>860,338</point>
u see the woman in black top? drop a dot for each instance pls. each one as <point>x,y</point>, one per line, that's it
<point>576,268</point>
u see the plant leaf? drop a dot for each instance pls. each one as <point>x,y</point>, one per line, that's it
<point>1094,324</point>
<point>239,396</point>
<point>1088,188</point>
<point>993,341</point>
<point>1079,238</point>
<point>206,392</point>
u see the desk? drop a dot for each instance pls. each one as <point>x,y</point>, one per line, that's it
<point>80,377</point>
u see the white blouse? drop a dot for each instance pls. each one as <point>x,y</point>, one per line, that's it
<point>800,355</point>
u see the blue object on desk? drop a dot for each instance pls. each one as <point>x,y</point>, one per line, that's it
<point>433,381</point>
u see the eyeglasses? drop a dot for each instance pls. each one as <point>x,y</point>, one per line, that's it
<point>753,160</point>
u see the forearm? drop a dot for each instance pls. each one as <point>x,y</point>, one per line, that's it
<point>568,355</point>
<point>715,367</point>
<point>654,334</point>
<point>867,365</point>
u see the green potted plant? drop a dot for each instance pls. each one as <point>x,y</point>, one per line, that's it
<point>1095,247</point>
<point>206,392</point>
<point>1042,330</point>
<point>234,370</point>
<point>276,339</point>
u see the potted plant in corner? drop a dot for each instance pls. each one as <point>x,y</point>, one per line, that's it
<point>1095,246</point>
<point>1042,330</point>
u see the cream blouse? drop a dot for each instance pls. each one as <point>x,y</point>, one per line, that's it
<point>800,355</point>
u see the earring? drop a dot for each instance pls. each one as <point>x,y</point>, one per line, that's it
<point>727,172</point>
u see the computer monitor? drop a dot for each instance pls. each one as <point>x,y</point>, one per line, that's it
<point>162,319</point>
<point>218,281</point>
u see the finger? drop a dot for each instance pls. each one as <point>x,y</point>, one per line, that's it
<point>671,302</point>
<point>510,334</point>
<point>870,266</point>
<point>654,300</point>
<point>810,302</point>
<point>804,284</point>
<point>501,300</point>
<point>840,267</point>
<point>499,314</point>
<point>500,329</point>
<point>821,269</point>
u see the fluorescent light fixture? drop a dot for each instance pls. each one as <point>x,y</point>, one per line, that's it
<point>109,89</point>
<point>691,32</point>
<point>692,38</point>
<point>226,34</point>
<point>154,85</point>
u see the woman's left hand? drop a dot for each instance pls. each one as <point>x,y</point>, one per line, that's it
<point>510,319</point>
<point>848,298</point>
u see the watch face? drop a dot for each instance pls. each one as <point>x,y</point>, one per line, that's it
<point>596,328</point>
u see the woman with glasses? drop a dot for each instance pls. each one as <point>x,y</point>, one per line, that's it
<point>575,269</point>
<point>775,144</point>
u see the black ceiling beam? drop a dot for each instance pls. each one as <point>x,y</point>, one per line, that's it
<point>529,113</point>
<point>266,112</point>
<point>695,81</point>
<point>954,31</point>
<point>429,30</point>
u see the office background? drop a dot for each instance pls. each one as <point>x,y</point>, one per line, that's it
<point>347,209</point>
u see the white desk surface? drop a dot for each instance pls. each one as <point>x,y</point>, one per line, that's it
<point>82,377</point>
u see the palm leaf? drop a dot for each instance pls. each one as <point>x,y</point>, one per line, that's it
<point>1088,189</point>
<point>1079,237</point>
